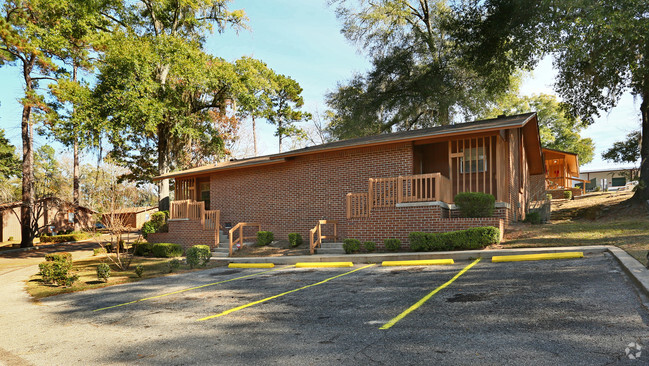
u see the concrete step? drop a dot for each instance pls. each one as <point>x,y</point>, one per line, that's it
<point>331,245</point>
<point>330,251</point>
<point>220,254</point>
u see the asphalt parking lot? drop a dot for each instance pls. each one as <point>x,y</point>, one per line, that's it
<point>573,311</point>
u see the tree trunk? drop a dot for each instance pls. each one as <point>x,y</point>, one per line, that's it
<point>642,192</point>
<point>254,134</point>
<point>75,165</point>
<point>279,133</point>
<point>27,207</point>
<point>163,167</point>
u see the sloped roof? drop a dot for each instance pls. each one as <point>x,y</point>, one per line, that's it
<point>571,159</point>
<point>133,210</point>
<point>493,124</point>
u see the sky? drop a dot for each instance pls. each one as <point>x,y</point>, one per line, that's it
<point>302,39</point>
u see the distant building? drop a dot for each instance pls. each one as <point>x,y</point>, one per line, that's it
<point>54,215</point>
<point>605,178</point>
<point>131,217</point>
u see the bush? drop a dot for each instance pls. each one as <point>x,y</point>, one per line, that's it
<point>59,257</point>
<point>166,250</point>
<point>157,224</point>
<point>294,239</point>
<point>98,251</point>
<point>148,228</point>
<point>351,245</point>
<point>567,195</point>
<point>56,269</point>
<point>474,238</point>
<point>11,238</point>
<point>475,204</point>
<point>370,246</point>
<point>173,265</point>
<point>103,272</point>
<point>143,249</point>
<point>63,238</point>
<point>548,197</point>
<point>392,244</point>
<point>198,256</point>
<point>264,238</point>
<point>139,270</point>
<point>533,217</point>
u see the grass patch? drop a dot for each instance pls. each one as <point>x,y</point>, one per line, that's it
<point>87,270</point>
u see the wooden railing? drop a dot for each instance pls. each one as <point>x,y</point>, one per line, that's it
<point>179,209</point>
<point>357,205</point>
<point>239,227</point>
<point>196,210</point>
<point>387,192</point>
<point>317,230</point>
<point>193,210</point>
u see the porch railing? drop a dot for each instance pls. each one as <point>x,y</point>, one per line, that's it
<point>387,192</point>
<point>192,210</point>
<point>317,230</point>
<point>239,227</point>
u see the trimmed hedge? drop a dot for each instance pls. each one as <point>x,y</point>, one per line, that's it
<point>351,245</point>
<point>294,239</point>
<point>567,195</point>
<point>166,250</point>
<point>58,257</point>
<point>264,238</point>
<point>393,245</point>
<point>63,238</point>
<point>157,224</point>
<point>57,269</point>
<point>473,238</point>
<point>369,246</point>
<point>533,217</point>
<point>475,204</point>
<point>198,256</point>
<point>143,249</point>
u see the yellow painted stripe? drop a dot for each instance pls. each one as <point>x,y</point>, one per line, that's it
<point>251,265</point>
<point>423,262</point>
<point>187,289</point>
<point>419,303</point>
<point>324,264</point>
<point>536,257</point>
<point>280,295</point>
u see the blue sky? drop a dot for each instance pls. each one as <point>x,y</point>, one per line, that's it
<point>302,39</point>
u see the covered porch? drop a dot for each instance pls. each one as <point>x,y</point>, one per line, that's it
<point>562,172</point>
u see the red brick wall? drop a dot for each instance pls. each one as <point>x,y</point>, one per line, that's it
<point>399,222</point>
<point>186,233</point>
<point>293,196</point>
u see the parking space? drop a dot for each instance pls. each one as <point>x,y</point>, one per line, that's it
<point>569,311</point>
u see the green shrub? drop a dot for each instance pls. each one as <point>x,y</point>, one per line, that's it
<point>63,238</point>
<point>473,238</point>
<point>103,272</point>
<point>166,250</point>
<point>157,224</point>
<point>351,245</point>
<point>567,195</point>
<point>57,272</point>
<point>59,257</point>
<point>392,244</point>
<point>139,270</point>
<point>148,228</point>
<point>475,204</point>
<point>548,197</point>
<point>98,251</point>
<point>143,249</point>
<point>370,246</point>
<point>533,217</point>
<point>11,238</point>
<point>173,265</point>
<point>294,239</point>
<point>198,256</point>
<point>264,238</point>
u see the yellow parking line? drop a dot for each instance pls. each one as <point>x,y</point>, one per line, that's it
<point>251,265</point>
<point>419,303</point>
<point>187,289</point>
<point>324,264</point>
<point>536,257</point>
<point>280,295</point>
<point>423,262</point>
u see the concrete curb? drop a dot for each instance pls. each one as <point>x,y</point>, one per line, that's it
<point>380,257</point>
<point>634,269</point>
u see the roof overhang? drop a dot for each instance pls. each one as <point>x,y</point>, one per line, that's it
<point>571,159</point>
<point>206,170</point>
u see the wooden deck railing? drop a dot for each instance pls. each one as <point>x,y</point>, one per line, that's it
<point>387,192</point>
<point>565,182</point>
<point>179,209</point>
<point>239,227</point>
<point>317,230</point>
<point>195,210</point>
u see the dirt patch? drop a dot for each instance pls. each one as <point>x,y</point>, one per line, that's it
<point>273,250</point>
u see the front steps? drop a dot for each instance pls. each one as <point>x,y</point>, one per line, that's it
<point>330,248</point>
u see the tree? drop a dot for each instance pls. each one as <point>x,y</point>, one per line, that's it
<point>284,108</point>
<point>559,130</point>
<point>48,175</point>
<point>599,48</point>
<point>627,151</point>
<point>419,77</point>
<point>9,163</point>
<point>158,89</point>
<point>29,31</point>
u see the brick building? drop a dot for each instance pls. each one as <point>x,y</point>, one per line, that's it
<point>374,187</point>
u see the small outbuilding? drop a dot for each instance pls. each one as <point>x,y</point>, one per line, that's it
<point>130,217</point>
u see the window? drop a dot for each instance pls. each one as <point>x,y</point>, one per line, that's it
<point>71,217</point>
<point>205,194</point>
<point>473,161</point>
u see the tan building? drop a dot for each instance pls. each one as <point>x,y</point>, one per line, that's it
<point>605,178</point>
<point>131,217</point>
<point>53,215</point>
